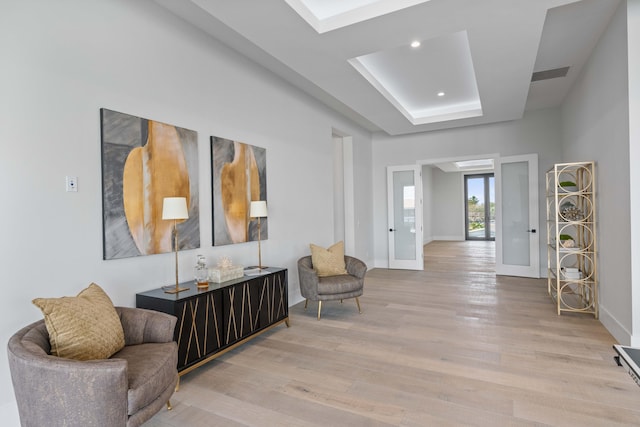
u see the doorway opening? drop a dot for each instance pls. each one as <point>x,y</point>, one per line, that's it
<point>480,207</point>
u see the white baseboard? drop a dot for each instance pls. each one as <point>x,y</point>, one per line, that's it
<point>295,300</point>
<point>381,263</point>
<point>616,329</point>
<point>453,238</point>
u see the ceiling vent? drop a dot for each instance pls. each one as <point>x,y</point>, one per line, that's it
<point>549,74</point>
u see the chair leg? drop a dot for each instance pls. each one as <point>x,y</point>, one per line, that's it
<point>319,308</point>
<point>169,407</point>
<point>305,303</point>
<point>358,302</point>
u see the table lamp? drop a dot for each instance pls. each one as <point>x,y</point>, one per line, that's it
<point>175,208</point>
<point>258,209</point>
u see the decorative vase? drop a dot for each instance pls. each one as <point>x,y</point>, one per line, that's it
<point>202,272</point>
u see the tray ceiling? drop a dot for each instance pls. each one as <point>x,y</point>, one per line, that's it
<point>473,65</point>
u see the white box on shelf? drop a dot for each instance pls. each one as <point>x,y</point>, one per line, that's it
<point>222,274</point>
<point>571,273</point>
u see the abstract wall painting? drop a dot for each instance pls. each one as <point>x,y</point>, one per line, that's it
<point>239,176</point>
<point>144,161</point>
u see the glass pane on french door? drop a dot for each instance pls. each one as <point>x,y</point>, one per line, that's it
<point>480,207</point>
<point>404,191</point>
<point>515,181</point>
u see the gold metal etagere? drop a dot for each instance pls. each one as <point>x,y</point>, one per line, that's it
<point>572,272</point>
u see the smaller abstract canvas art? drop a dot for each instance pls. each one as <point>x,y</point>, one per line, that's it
<point>238,176</point>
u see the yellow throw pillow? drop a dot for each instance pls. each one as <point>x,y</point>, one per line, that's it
<point>328,262</point>
<point>85,327</point>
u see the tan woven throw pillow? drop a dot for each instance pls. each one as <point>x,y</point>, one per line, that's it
<point>328,262</point>
<point>85,327</point>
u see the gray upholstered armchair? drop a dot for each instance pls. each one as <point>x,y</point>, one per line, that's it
<point>330,288</point>
<point>124,390</point>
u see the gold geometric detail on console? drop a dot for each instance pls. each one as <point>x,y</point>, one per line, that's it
<point>194,329</point>
<point>206,324</point>
<point>184,311</point>
<point>249,306</point>
<point>269,299</point>
<point>215,319</point>
<point>259,307</point>
<point>232,316</point>
<point>281,304</point>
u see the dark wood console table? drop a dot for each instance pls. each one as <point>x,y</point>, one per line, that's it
<point>223,316</point>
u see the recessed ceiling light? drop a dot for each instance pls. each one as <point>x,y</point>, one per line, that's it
<point>415,44</point>
<point>440,93</point>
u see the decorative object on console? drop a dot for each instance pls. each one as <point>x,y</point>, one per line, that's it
<point>175,208</point>
<point>201,272</point>
<point>238,176</point>
<point>225,271</point>
<point>258,210</point>
<point>144,161</point>
<point>225,262</point>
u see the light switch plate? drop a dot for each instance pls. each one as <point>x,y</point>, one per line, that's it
<point>72,183</point>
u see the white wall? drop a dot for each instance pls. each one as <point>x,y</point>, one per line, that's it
<point>427,203</point>
<point>538,132</point>
<point>595,123</point>
<point>363,191</point>
<point>448,205</point>
<point>61,62</point>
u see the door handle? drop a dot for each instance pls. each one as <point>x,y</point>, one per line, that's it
<point>392,229</point>
<point>533,230</point>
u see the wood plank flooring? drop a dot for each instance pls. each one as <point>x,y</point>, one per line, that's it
<point>449,346</point>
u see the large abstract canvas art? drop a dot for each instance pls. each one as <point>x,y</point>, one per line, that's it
<point>144,161</point>
<point>239,176</point>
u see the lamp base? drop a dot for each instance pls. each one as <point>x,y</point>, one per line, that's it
<point>174,290</point>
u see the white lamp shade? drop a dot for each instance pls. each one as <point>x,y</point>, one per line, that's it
<point>175,208</point>
<point>258,209</point>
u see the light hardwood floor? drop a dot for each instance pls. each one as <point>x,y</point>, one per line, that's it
<point>452,345</point>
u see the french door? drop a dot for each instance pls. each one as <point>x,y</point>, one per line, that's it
<point>404,192</point>
<point>517,237</point>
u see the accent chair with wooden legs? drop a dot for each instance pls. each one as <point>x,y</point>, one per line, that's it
<point>331,288</point>
<point>126,389</point>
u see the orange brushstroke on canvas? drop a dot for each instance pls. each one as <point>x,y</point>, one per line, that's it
<point>151,173</point>
<point>239,185</point>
